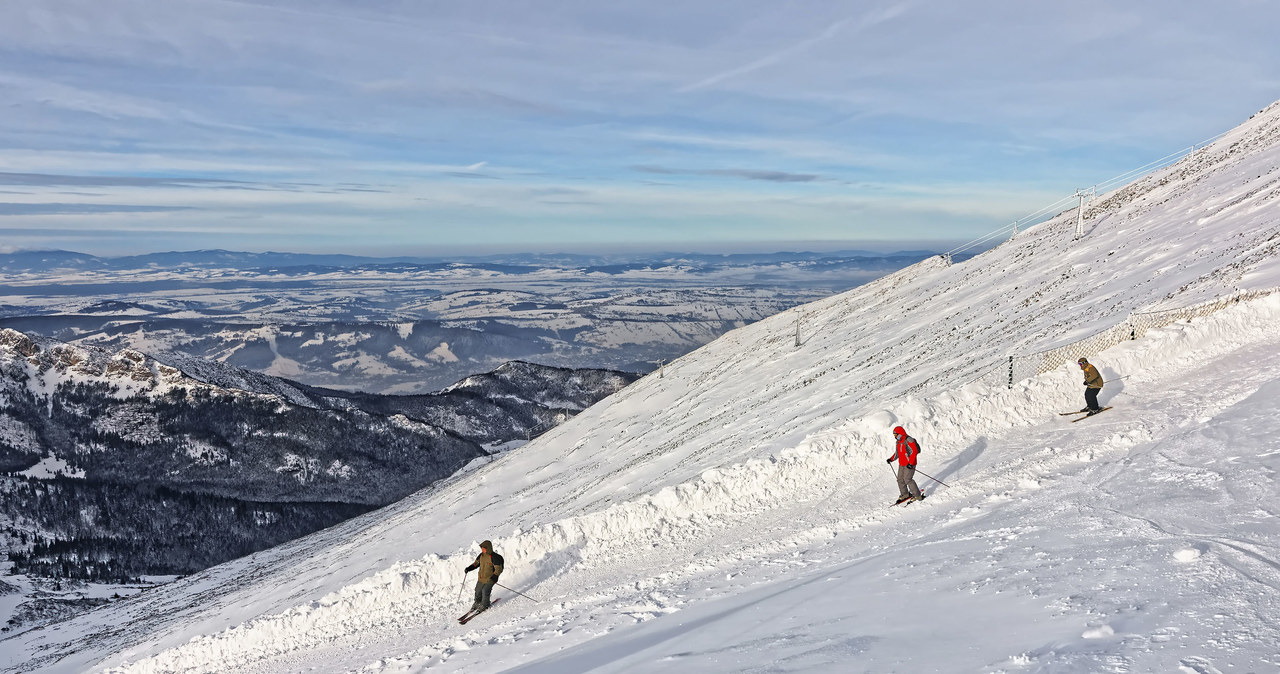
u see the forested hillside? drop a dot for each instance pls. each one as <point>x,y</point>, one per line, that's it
<point>117,466</point>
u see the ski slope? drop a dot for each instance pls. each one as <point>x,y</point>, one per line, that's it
<point>729,514</point>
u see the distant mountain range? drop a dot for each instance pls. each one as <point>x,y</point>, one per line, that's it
<point>42,261</point>
<point>413,325</point>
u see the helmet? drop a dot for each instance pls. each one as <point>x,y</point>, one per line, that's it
<point>1083,360</point>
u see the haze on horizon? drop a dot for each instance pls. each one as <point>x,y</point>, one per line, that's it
<point>393,128</point>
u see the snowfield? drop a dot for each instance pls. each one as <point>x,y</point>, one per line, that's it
<point>731,512</point>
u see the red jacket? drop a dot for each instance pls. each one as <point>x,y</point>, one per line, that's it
<point>908,449</point>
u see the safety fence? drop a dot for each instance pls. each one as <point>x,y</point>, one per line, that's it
<point>1029,365</point>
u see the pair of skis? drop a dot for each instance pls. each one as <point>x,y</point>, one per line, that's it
<point>473,613</point>
<point>905,501</point>
<point>1084,412</point>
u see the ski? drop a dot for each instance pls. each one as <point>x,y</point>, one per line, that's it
<point>466,617</point>
<point>906,501</point>
<point>1090,415</point>
<point>1067,414</point>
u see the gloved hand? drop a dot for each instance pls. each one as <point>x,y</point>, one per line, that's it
<point>493,580</point>
<point>889,460</point>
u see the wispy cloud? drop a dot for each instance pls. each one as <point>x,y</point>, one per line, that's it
<point>82,209</point>
<point>767,60</point>
<point>44,179</point>
<point>747,174</point>
<point>410,123</point>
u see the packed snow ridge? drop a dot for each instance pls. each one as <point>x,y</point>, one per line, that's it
<point>729,513</point>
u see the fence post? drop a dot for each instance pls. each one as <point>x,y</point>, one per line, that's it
<point>1010,371</point>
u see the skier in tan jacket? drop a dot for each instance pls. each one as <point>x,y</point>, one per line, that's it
<point>490,565</point>
<point>1092,385</point>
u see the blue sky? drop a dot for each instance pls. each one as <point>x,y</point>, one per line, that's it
<point>415,127</point>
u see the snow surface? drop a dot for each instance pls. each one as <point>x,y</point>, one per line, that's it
<point>730,514</point>
<point>50,467</point>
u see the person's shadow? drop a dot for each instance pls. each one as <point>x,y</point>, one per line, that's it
<point>1112,386</point>
<point>964,458</point>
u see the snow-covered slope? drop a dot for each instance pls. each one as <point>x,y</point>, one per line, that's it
<point>734,503</point>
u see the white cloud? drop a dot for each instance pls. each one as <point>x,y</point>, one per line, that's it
<point>308,103</point>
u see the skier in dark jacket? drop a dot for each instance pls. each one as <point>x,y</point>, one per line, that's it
<point>490,565</point>
<point>1092,386</point>
<point>907,451</point>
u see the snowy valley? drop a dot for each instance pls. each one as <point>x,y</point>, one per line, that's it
<point>731,512</point>
<point>415,326</point>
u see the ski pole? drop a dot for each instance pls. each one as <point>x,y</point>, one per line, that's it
<point>517,592</point>
<point>1116,379</point>
<point>463,586</point>
<point>932,478</point>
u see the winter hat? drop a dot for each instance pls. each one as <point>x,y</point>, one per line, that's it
<point>898,430</point>
<point>1083,360</point>
<point>486,545</point>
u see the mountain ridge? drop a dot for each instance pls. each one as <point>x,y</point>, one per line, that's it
<point>109,458</point>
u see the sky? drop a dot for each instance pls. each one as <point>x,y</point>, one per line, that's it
<point>398,127</point>
<point>732,513</point>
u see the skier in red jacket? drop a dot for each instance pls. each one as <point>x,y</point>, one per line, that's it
<point>907,452</point>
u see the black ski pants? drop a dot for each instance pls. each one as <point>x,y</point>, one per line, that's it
<point>1091,398</point>
<point>482,594</point>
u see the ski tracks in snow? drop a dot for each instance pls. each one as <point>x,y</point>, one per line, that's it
<point>805,510</point>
